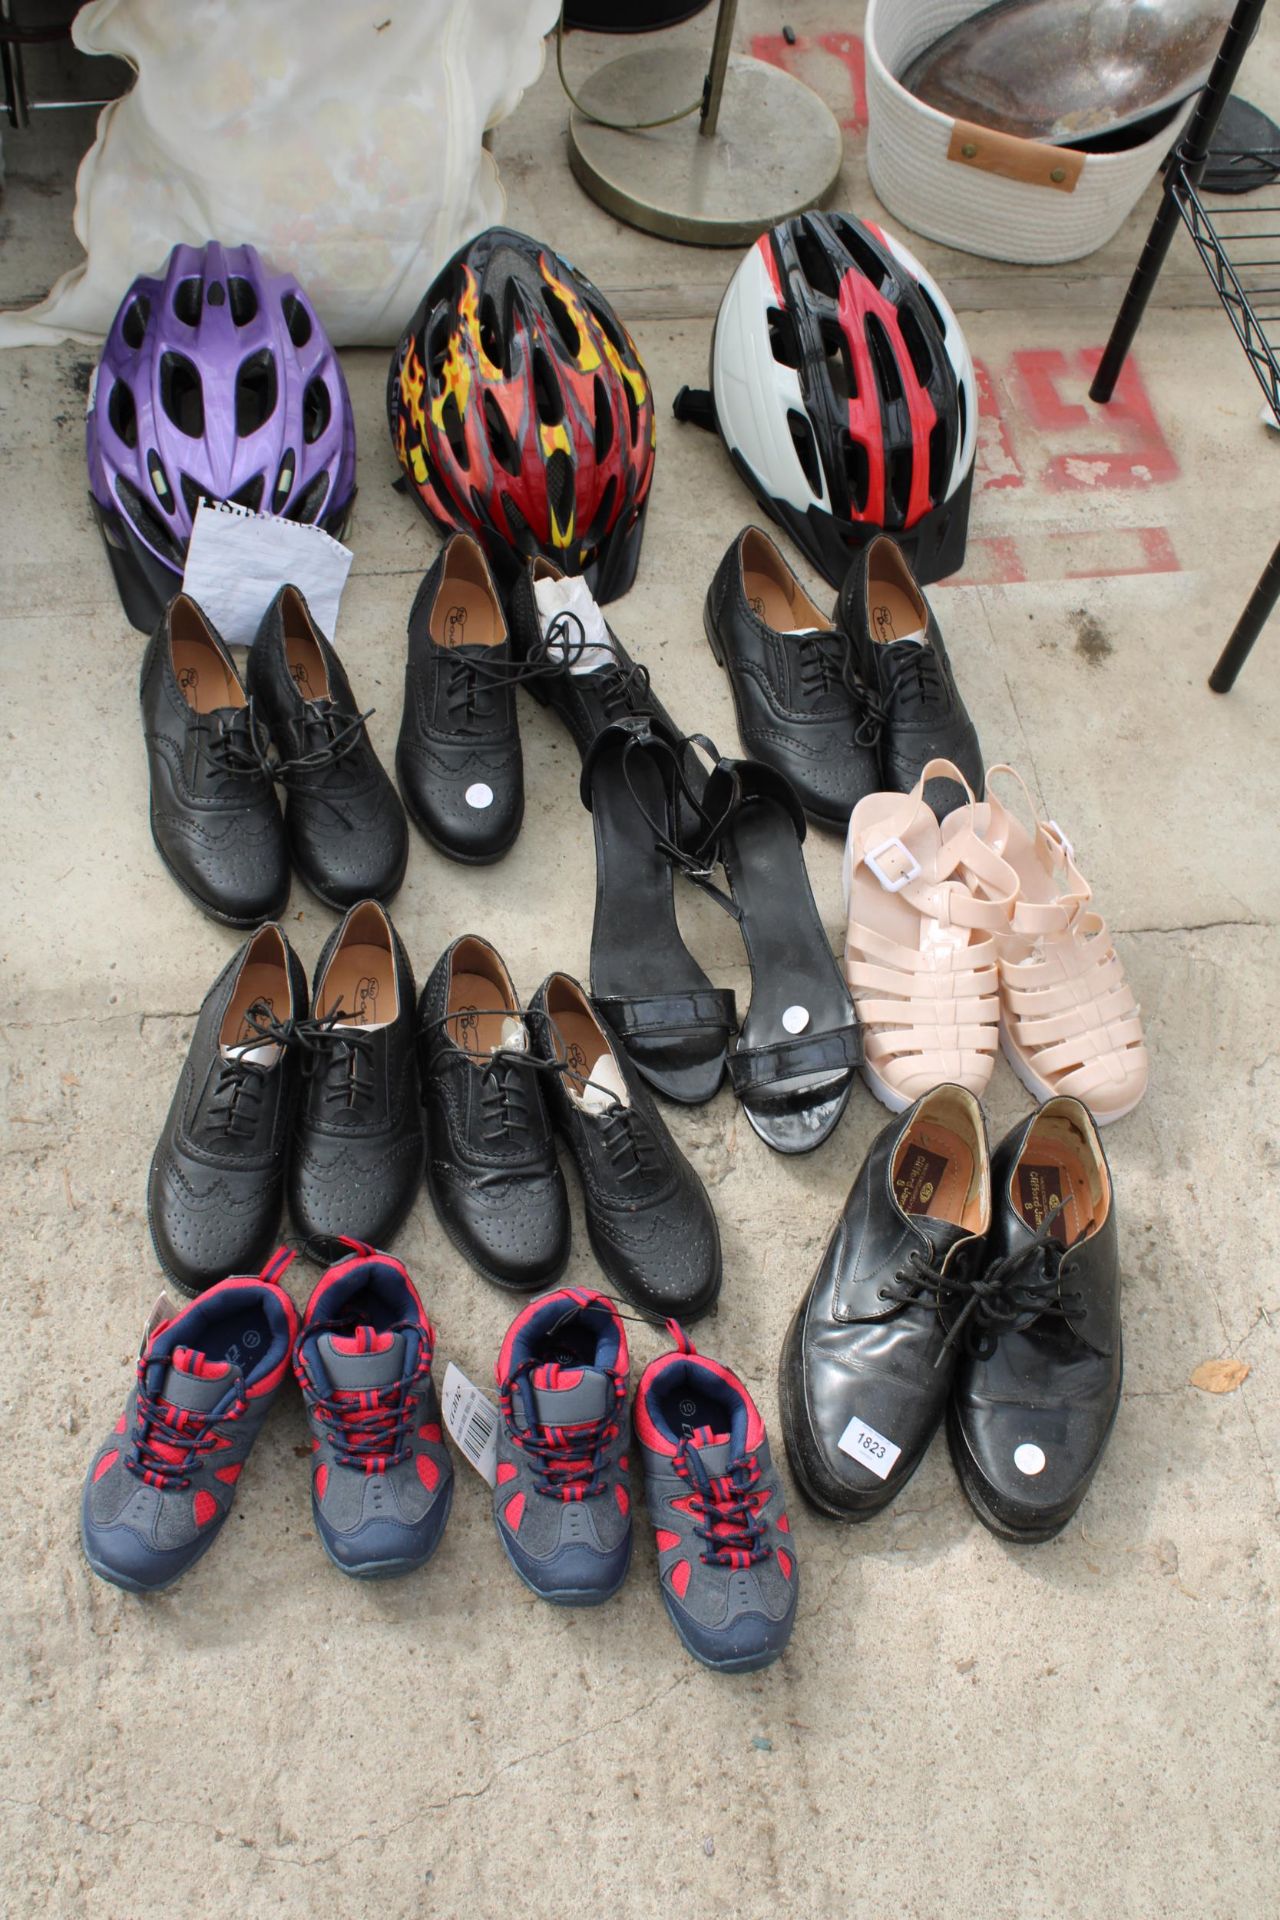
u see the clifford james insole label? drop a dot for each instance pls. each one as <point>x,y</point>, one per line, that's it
<point>472,1421</point>
<point>863,1443</point>
<point>917,1180</point>
<point>1039,1191</point>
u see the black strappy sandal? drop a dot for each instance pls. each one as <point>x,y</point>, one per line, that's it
<point>793,1064</point>
<point>674,1024</point>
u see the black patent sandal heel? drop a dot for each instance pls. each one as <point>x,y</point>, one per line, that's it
<point>674,1024</point>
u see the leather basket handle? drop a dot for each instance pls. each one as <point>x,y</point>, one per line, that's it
<point>1030,161</point>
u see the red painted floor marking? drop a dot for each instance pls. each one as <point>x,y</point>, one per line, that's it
<point>800,60</point>
<point>997,463</point>
<point>1098,553</point>
<point>1143,458</point>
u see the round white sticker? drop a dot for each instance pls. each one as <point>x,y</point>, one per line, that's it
<point>479,795</point>
<point>796,1019</point>
<point>1028,1459</point>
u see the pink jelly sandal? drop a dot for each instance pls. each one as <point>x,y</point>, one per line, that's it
<point>926,905</point>
<point>1068,1020</point>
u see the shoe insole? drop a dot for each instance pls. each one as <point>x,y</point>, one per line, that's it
<point>636,946</point>
<point>206,680</point>
<point>687,1404</point>
<point>464,616</point>
<point>785,611</point>
<point>244,1341</point>
<point>480,1012</point>
<point>583,1043</point>
<point>362,981</point>
<point>894,615</point>
<point>1051,1172</point>
<point>306,666</point>
<point>262,983</point>
<point>793,970</point>
<point>933,1173</point>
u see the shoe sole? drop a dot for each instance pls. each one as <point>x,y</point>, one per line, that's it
<point>238,921</point>
<point>459,1246</point>
<point>385,1569</point>
<point>462,859</point>
<point>136,1586</point>
<point>1042,1090</point>
<point>572,1596</point>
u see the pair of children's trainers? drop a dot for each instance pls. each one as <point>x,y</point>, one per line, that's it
<point>562,1498</point>
<point>160,1488</point>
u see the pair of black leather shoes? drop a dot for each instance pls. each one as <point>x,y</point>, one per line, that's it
<point>215,819</point>
<point>985,1292</point>
<point>321,1103</point>
<point>847,709</point>
<point>498,1086</point>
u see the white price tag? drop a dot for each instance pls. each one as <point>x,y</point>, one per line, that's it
<point>238,561</point>
<point>472,1420</point>
<point>163,1311</point>
<point>863,1443</point>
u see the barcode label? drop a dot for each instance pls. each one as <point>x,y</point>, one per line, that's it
<point>472,1421</point>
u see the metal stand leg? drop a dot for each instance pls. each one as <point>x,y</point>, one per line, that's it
<point>1261,605</point>
<point>1188,162</point>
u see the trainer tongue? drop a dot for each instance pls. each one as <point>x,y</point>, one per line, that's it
<point>362,1358</point>
<point>195,1383</point>
<point>713,1450</point>
<point>569,1396</point>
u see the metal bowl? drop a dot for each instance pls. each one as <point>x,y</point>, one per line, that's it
<point>1062,71</point>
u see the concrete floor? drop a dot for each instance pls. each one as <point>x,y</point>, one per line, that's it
<point>959,1729</point>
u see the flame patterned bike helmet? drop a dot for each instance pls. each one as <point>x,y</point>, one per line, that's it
<point>844,392</point>
<point>216,379</point>
<point>521,413</point>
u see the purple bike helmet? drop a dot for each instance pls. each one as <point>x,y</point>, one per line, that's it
<point>217,379</point>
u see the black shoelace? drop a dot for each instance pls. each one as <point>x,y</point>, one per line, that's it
<point>624,690</point>
<point>342,1053</point>
<point>475,679</point>
<point>241,1083</point>
<point>911,680</point>
<point>233,748</point>
<point>327,735</point>
<point>1027,1284</point>
<point>730,1523</point>
<point>627,1141</point>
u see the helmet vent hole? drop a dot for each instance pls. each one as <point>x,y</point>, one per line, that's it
<point>898,485</point>
<point>563,322</point>
<point>503,447</point>
<point>317,410</point>
<point>547,397</point>
<point>188,300</point>
<point>861,248</point>
<point>857,473</point>
<point>244,300</point>
<point>192,493</point>
<point>123,414</point>
<point>884,360</point>
<point>939,463</point>
<point>603,419</point>
<point>284,480</point>
<point>250,494</point>
<point>255,392</point>
<point>306,509</point>
<point>603,520</point>
<point>181,394</point>
<point>839,362</point>
<point>962,400</point>
<point>145,521</point>
<point>816,263</point>
<point>806,449</point>
<point>783,343</point>
<point>454,431</point>
<point>916,344</point>
<point>560,487</point>
<point>438,348</point>
<point>607,321</point>
<point>133,327</point>
<point>492,340</point>
<point>297,319</point>
<point>160,481</point>
<point>931,306</point>
<point>633,411</point>
<point>217,294</point>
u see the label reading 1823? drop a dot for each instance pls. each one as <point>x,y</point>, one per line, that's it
<point>863,1443</point>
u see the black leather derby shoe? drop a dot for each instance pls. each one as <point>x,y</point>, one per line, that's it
<point>214,814</point>
<point>216,1187</point>
<point>458,759</point>
<point>800,709</point>
<point>898,652</point>
<point>346,827</point>
<point>1038,1388</point>
<point>492,1170</point>
<point>867,1363</point>
<point>649,1220</point>
<point>358,1144</point>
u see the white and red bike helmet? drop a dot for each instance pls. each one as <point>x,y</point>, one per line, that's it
<point>844,391</point>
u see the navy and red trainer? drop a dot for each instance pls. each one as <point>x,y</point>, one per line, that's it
<point>561,1499</point>
<point>161,1486</point>
<point>382,1479</point>
<point>726,1560</point>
